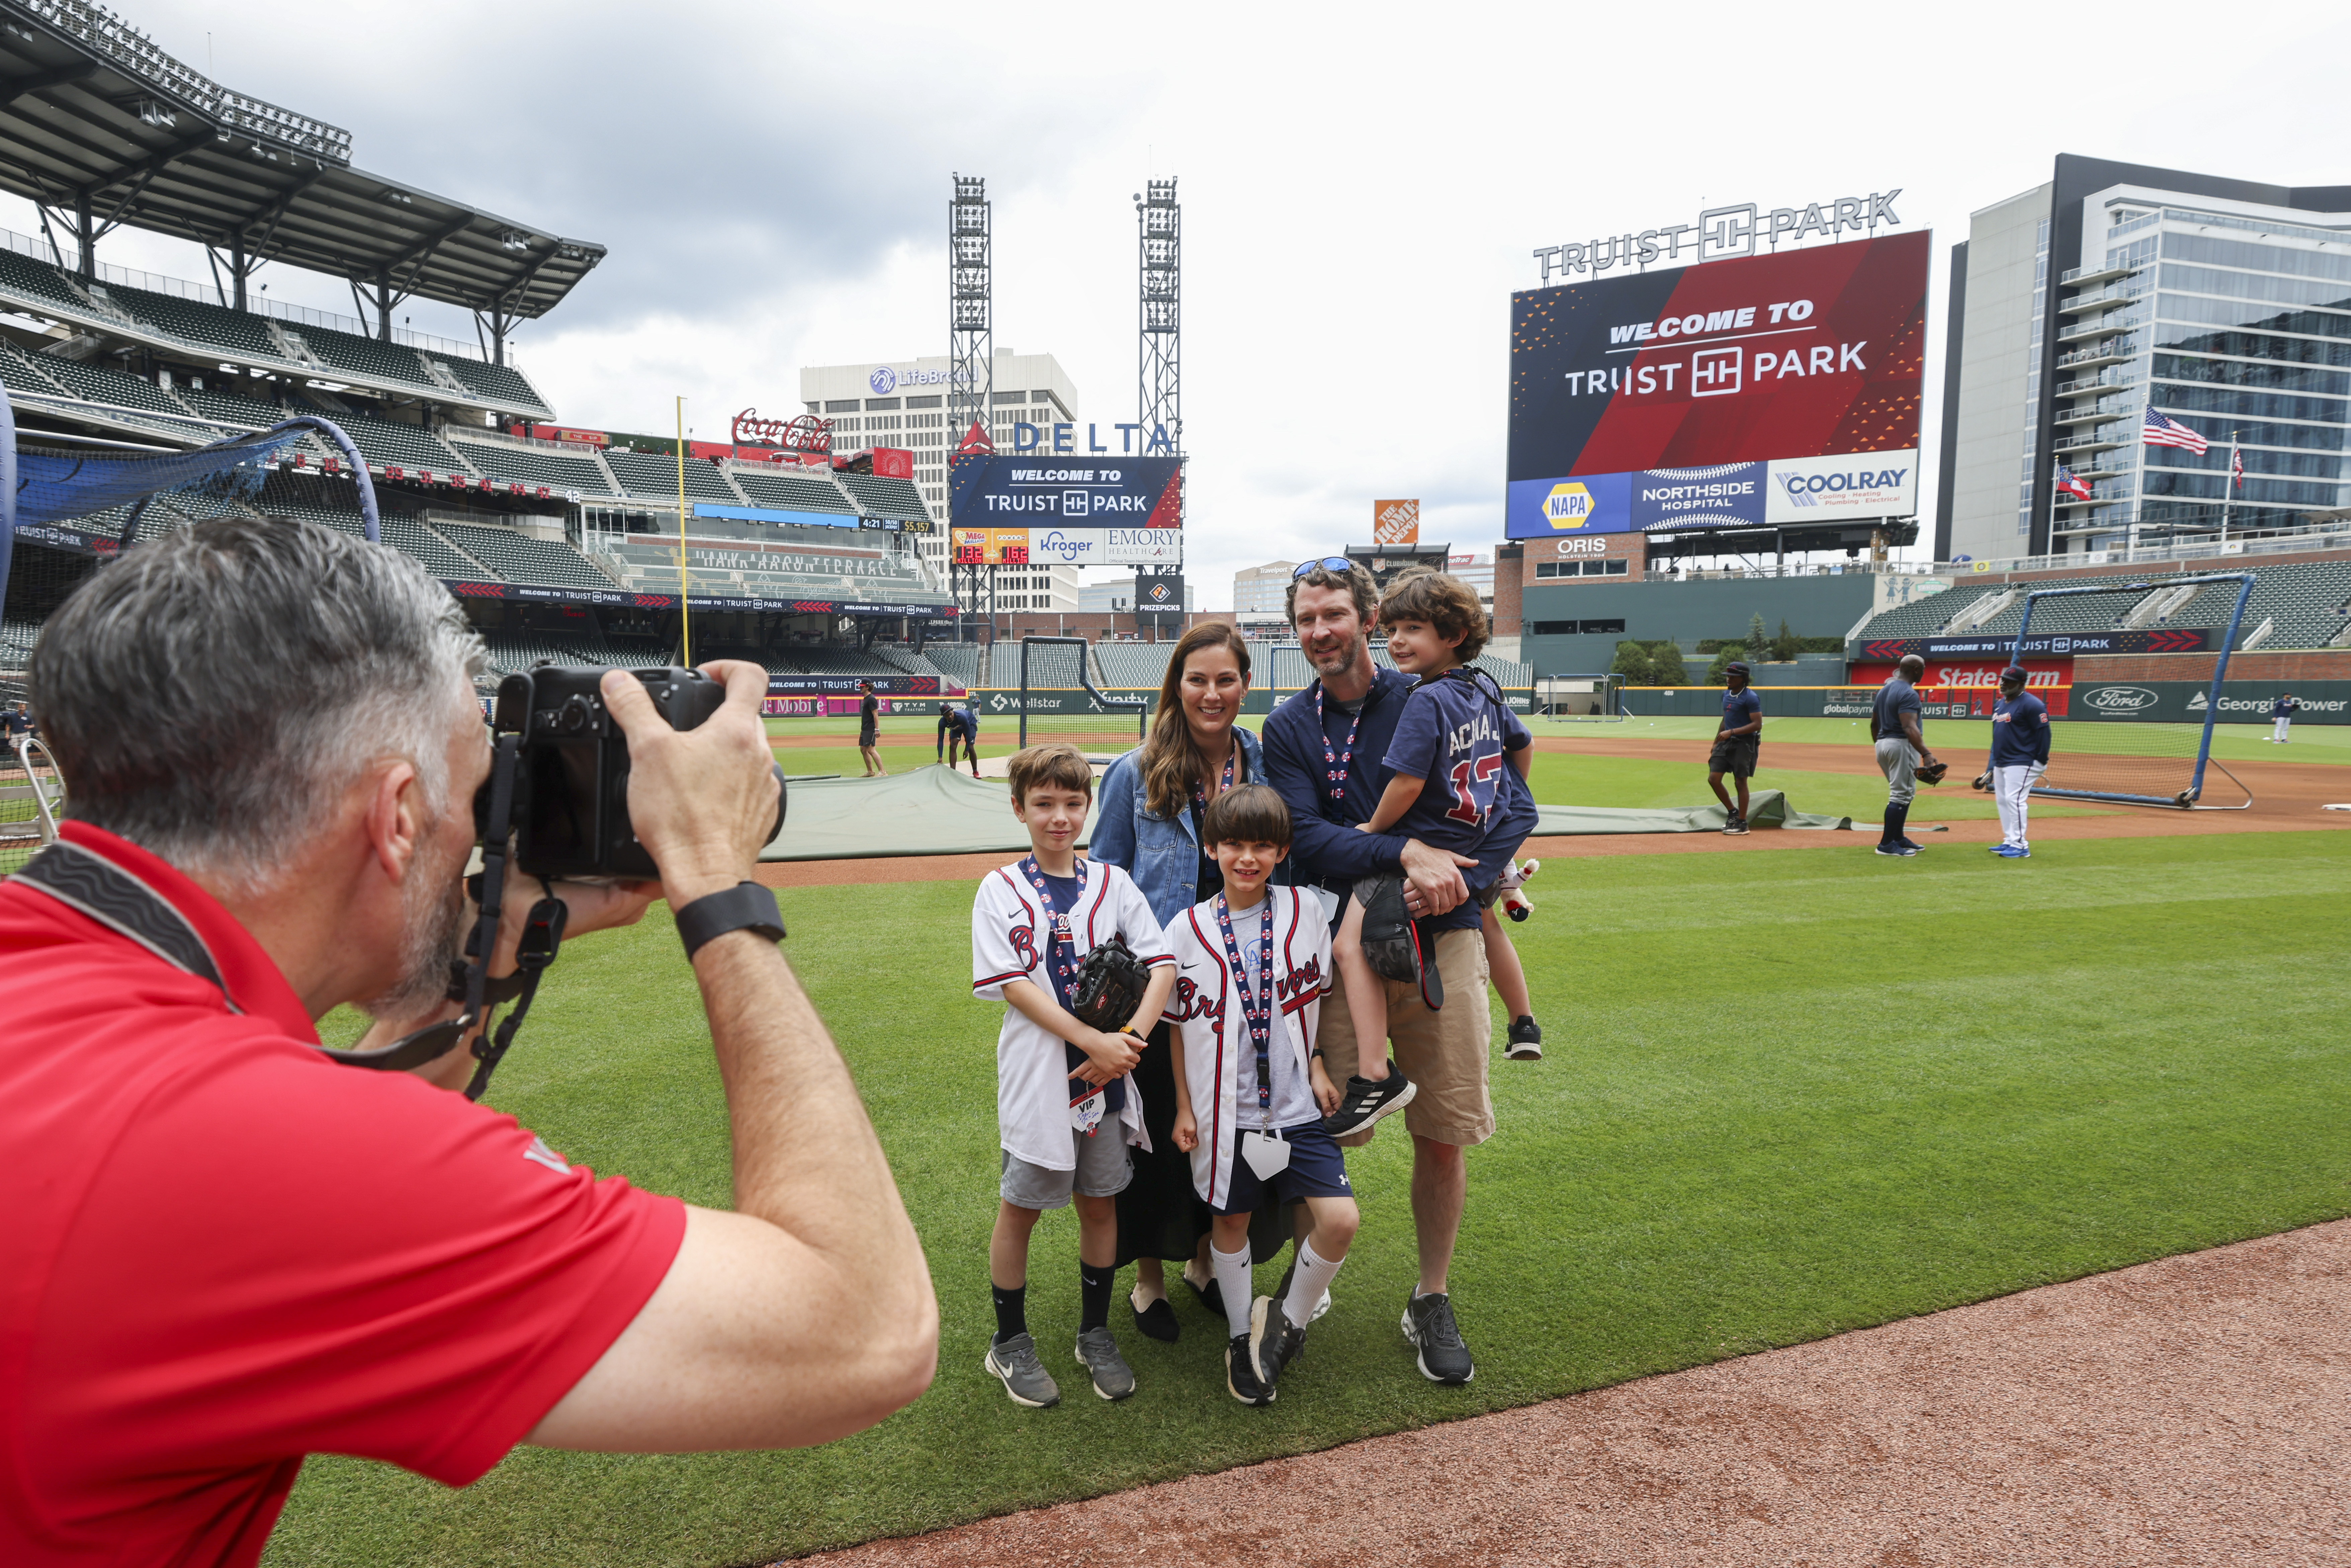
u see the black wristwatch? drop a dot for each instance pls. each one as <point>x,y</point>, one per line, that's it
<point>746,906</point>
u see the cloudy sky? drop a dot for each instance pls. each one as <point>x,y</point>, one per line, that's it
<point>1362,186</point>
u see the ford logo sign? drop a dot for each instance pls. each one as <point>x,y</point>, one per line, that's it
<point>884,381</point>
<point>2120,699</point>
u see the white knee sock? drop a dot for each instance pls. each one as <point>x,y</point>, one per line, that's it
<point>1232,1271</point>
<point>1312,1277</point>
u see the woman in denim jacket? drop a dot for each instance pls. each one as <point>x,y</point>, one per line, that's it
<point>1152,800</point>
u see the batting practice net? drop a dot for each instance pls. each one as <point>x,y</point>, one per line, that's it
<point>2092,756</point>
<point>1059,700</point>
<point>1580,699</point>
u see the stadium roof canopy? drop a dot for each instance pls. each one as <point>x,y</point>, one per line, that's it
<point>101,128</point>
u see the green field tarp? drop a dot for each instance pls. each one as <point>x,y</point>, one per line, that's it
<point>936,810</point>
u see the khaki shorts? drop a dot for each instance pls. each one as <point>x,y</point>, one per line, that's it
<point>1444,1053</point>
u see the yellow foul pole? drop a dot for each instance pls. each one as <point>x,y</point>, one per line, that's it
<point>684,629</point>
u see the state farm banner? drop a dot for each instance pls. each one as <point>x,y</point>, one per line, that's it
<point>1091,493</point>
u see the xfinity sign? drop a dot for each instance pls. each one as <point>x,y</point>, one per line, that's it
<point>1723,234</point>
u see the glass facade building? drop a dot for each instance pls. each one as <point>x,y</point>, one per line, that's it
<point>2223,306</point>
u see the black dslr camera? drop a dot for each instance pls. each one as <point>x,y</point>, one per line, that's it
<point>570,807</point>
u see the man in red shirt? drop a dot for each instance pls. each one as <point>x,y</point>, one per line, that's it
<point>223,1251</point>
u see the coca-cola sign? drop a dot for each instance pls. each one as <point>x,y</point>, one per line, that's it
<point>805,433</point>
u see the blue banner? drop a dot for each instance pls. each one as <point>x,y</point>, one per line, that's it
<point>1549,508</point>
<point>1001,492</point>
<point>1728,495</point>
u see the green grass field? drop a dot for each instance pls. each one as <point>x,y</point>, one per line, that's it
<point>1785,1095</point>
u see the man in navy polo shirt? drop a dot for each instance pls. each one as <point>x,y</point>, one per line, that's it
<point>1737,743</point>
<point>1325,751</point>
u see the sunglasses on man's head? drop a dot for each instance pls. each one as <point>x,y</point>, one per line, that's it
<point>1328,563</point>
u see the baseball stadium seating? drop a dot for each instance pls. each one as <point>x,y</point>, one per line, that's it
<point>884,497</point>
<point>2303,601</point>
<point>233,332</point>
<point>964,664</point>
<point>559,471</point>
<point>655,477</point>
<point>803,492</point>
<point>520,558</point>
<point>400,445</point>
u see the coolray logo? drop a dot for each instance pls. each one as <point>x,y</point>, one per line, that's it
<point>1806,489</point>
<point>2119,699</point>
<point>884,381</point>
<point>1567,505</point>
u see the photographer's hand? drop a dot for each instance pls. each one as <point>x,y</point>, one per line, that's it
<point>702,799</point>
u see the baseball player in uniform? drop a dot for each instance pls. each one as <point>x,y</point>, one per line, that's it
<point>1901,751</point>
<point>1063,1116</point>
<point>2019,755</point>
<point>958,726</point>
<point>2282,716</point>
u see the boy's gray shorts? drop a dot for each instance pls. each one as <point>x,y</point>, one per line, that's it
<point>1102,1171</point>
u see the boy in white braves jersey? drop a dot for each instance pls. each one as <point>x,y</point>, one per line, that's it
<point>1253,965</point>
<point>1064,1111</point>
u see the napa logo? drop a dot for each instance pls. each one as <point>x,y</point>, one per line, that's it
<point>1568,505</point>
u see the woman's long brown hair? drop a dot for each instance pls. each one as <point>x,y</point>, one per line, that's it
<point>1171,762</point>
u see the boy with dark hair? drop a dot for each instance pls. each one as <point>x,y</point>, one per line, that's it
<point>1250,1092</point>
<point>1064,1116</point>
<point>1452,743</point>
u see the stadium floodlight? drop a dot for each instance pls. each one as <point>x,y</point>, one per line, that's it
<point>2101,753</point>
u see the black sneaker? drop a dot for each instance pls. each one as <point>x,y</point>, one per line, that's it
<point>1274,1342</point>
<point>1525,1041</point>
<point>1366,1102</point>
<point>1429,1323</point>
<point>1736,826</point>
<point>1241,1374</point>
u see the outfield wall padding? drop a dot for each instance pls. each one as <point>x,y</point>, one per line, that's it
<point>1074,701</point>
<point>2142,702</point>
<point>935,810</point>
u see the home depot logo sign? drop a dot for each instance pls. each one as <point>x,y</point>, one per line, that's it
<point>1395,522</point>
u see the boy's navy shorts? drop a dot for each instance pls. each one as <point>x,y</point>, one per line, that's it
<point>1317,1169</point>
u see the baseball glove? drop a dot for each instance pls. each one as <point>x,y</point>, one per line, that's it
<point>1932,773</point>
<point>1983,781</point>
<point>1110,987</point>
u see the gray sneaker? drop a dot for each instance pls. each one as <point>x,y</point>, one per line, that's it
<point>1025,1377</point>
<point>1098,1353</point>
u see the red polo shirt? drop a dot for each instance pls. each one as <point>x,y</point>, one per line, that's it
<point>220,1251</point>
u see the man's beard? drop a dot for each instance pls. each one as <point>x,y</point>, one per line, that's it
<point>1339,664</point>
<point>432,937</point>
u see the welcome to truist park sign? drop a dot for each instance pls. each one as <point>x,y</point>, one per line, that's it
<point>1723,234</point>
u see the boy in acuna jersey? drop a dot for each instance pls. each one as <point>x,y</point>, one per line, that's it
<point>1454,744</point>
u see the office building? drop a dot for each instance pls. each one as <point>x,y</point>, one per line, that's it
<point>1262,589</point>
<point>2222,305</point>
<point>903,402</point>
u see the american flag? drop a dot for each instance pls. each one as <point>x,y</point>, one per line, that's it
<point>2236,465</point>
<point>2157,431</point>
<point>2071,483</point>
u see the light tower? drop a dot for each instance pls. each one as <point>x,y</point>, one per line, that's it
<point>1160,359</point>
<point>971,361</point>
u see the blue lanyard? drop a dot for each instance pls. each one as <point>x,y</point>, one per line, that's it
<point>1257,1004</point>
<point>1336,764</point>
<point>1063,961</point>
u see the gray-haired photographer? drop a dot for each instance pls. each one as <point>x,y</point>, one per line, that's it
<point>226,1251</point>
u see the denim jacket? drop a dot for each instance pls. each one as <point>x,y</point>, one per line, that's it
<point>1163,857</point>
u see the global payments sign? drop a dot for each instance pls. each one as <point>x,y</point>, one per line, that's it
<point>1128,493</point>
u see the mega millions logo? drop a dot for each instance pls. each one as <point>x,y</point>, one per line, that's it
<point>884,381</point>
<point>1568,505</point>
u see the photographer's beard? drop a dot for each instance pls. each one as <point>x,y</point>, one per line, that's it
<point>432,937</point>
<point>1328,660</point>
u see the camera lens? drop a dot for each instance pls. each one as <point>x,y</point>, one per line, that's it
<point>576,714</point>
